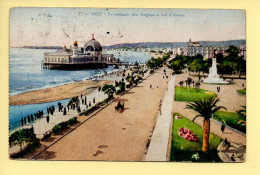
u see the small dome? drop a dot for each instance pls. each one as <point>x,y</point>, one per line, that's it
<point>93,45</point>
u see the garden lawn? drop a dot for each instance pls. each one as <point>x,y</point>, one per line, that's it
<point>183,94</point>
<point>242,91</point>
<point>182,150</point>
<point>231,120</point>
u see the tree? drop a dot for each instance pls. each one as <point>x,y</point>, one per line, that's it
<point>197,85</point>
<point>109,90</point>
<point>122,86</point>
<point>197,64</point>
<point>220,58</point>
<point>188,82</point>
<point>206,108</point>
<point>178,63</point>
<point>181,83</point>
<point>154,63</point>
<point>193,82</point>
<point>21,136</point>
<point>241,114</point>
<point>233,52</point>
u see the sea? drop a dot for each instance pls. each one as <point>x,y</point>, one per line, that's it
<point>26,74</point>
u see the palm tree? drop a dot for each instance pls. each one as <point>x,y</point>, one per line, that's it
<point>206,108</point>
<point>193,82</point>
<point>197,85</point>
<point>188,82</point>
<point>181,83</point>
<point>241,115</point>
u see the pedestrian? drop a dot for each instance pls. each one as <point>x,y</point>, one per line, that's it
<point>22,121</point>
<point>29,119</point>
<point>94,100</point>
<point>47,118</point>
<point>243,85</point>
<point>89,103</point>
<point>223,126</point>
<point>64,111</point>
<point>150,86</point>
<point>217,88</point>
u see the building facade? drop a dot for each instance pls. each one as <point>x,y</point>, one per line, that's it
<point>89,56</point>
<point>207,52</point>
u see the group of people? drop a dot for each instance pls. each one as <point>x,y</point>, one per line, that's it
<point>31,118</point>
<point>50,110</point>
<point>73,104</point>
<point>110,74</point>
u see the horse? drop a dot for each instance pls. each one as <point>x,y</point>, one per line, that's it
<point>119,106</point>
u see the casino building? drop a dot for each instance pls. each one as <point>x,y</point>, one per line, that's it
<point>89,56</point>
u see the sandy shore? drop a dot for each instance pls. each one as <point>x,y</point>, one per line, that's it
<point>56,93</point>
<point>65,91</point>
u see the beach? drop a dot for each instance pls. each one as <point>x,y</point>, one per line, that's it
<point>65,91</point>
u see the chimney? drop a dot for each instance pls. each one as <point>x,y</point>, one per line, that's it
<point>92,37</point>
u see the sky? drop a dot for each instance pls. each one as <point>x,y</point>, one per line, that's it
<point>62,26</point>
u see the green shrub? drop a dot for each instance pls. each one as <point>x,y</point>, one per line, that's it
<point>21,136</point>
<point>72,121</point>
<point>242,91</point>
<point>105,100</point>
<point>90,110</point>
<point>64,125</point>
<point>119,91</point>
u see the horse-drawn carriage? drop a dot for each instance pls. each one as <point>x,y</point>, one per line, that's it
<point>119,106</point>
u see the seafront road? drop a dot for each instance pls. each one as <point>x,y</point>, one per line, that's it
<point>117,136</point>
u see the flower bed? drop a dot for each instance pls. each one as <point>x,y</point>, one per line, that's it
<point>188,135</point>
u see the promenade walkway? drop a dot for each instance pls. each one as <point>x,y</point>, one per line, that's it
<point>158,148</point>
<point>41,126</point>
<point>117,136</point>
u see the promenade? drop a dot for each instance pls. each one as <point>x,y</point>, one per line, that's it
<point>111,135</point>
<point>158,149</point>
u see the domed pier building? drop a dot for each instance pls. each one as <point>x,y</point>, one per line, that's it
<point>89,56</point>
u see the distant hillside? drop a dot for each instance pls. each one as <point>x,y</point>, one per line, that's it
<point>43,47</point>
<point>156,44</point>
<point>175,44</point>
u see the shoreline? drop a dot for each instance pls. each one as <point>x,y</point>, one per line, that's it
<point>65,91</point>
<point>56,93</point>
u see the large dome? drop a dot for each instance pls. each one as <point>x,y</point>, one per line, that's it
<point>93,45</point>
